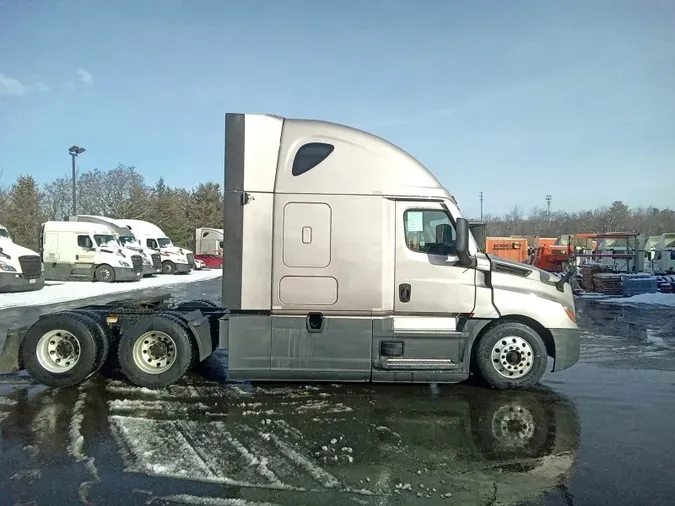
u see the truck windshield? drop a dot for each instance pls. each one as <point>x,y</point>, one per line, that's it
<point>164,242</point>
<point>105,240</point>
<point>4,233</point>
<point>128,240</point>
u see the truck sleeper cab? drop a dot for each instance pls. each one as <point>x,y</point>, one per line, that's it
<point>21,269</point>
<point>347,260</point>
<point>82,251</point>
<point>174,259</point>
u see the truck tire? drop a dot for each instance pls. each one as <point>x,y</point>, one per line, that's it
<point>168,267</point>
<point>104,333</point>
<point>183,323</point>
<point>510,355</point>
<point>220,265</point>
<point>62,349</point>
<point>104,273</point>
<point>110,363</point>
<point>198,304</point>
<point>156,351</point>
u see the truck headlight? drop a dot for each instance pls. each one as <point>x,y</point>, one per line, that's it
<point>6,267</point>
<point>124,263</point>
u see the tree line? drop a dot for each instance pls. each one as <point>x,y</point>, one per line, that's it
<point>118,193</point>
<point>617,217</point>
<point>123,193</point>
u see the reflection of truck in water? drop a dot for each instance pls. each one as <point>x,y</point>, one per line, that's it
<point>21,269</point>
<point>311,297</point>
<point>310,445</point>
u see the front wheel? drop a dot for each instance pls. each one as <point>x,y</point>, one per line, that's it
<point>104,273</point>
<point>511,355</point>
<point>168,267</point>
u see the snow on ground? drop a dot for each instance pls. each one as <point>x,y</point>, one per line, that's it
<point>64,291</point>
<point>656,299</point>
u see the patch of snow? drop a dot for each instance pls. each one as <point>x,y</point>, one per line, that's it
<point>654,299</point>
<point>652,338</point>
<point>210,501</point>
<point>65,291</point>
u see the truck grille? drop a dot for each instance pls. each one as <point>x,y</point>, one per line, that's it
<point>137,263</point>
<point>31,266</point>
<point>156,261</point>
<point>191,259</point>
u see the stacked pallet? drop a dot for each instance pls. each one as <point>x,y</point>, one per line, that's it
<point>608,283</point>
<point>636,285</point>
<point>587,273</point>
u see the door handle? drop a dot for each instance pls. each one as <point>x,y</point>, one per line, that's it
<point>404,290</point>
<point>77,257</point>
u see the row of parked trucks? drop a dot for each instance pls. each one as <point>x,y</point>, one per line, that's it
<point>88,248</point>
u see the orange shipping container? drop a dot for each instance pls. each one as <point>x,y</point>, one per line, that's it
<point>506,247</point>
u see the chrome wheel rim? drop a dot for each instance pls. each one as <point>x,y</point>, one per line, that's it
<point>58,351</point>
<point>513,425</point>
<point>104,274</point>
<point>512,357</point>
<point>154,352</point>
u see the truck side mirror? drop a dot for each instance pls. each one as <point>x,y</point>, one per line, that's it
<point>462,243</point>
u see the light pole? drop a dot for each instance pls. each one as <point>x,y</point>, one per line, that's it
<point>548,212</point>
<point>481,206</point>
<point>75,151</point>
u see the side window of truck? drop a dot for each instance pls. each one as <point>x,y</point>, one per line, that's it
<point>429,231</point>
<point>309,156</point>
<point>84,241</point>
<point>151,243</point>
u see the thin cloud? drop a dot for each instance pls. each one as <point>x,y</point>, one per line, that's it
<point>85,77</point>
<point>11,86</point>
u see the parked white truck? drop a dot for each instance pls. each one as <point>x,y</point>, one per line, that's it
<point>21,269</point>
<point>73,251</point>
<point>174,259</point>
<point>347,260</point>
<point>152,263</point>
<point>209,241</point>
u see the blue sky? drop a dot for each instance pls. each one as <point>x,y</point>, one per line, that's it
<point>517,99</point>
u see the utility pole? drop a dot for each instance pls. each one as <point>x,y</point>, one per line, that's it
<point>75,151</point>
<point>481,206</point>
<point>548,212</point>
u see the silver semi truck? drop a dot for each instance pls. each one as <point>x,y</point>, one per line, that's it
<point>346,260</point>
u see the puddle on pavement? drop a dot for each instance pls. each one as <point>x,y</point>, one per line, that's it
<point>199,441</point>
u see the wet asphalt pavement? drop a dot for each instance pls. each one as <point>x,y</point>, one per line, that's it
<point>598,433</point>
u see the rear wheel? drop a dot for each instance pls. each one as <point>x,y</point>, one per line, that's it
<point>511,355</point>
<point>63,349</point>
<point>168,267</point>
<point>155,352</point>
<point>220,265</point>
<point>104,273</point>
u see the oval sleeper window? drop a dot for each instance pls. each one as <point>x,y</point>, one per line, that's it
<point>309,156</point>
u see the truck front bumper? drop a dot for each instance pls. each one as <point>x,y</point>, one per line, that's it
<point>126,274</point>
<point>567,343</point>
<point>149,270</point>
<point>12,282</point>
<point>182,267</point>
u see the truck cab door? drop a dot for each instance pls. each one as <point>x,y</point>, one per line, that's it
<point>429,280</point>
<point>85,257</point>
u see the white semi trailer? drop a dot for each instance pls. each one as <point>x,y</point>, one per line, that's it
<point>347,260</point>
<point>21,269</point>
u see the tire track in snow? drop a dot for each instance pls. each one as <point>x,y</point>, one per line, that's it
<point>76,446</point>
